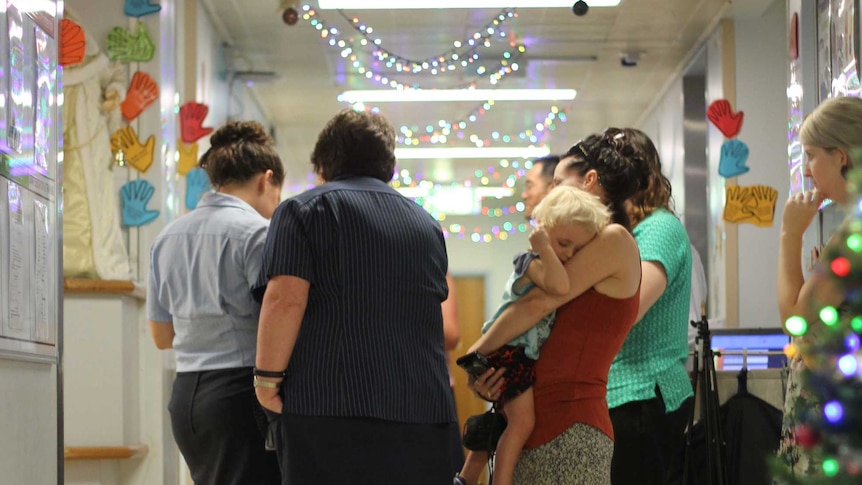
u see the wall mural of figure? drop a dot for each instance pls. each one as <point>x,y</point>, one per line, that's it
<point>93,244</point>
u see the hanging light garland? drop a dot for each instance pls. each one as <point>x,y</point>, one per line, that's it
<point>492,177</point>
<point>508,63</point>
<point>453,132</point>
<point>464,53</point>
<point>445,132</point>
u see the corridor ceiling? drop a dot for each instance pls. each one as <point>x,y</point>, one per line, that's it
<point>562,51</point>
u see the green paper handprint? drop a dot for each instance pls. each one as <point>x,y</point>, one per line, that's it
<point>123,46</point>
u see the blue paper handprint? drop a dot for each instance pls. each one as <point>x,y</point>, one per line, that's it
<point>139,8</point>
<point>136,194</point>
<point>734,154</point>
<point>197,184</point>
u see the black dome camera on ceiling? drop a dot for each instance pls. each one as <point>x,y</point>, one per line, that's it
<point>580,8</point>
<point>289,13</point>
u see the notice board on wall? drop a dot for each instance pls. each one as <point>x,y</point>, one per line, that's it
<point>30,164</point>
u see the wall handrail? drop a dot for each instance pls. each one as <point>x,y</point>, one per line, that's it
<point>104,452</point>
<point>116,287</point>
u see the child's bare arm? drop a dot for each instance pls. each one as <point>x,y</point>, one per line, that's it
<point>548,272</point>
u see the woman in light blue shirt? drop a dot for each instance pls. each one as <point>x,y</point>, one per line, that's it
<point>199,303</point>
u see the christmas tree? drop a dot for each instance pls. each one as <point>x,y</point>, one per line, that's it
<point>830,432</point>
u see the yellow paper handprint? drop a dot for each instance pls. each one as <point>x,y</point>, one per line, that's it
<point>125,145</point>
<point>737,205</point>
<point>188,157</point>
<point>754,204</point>
<point>764,211</point>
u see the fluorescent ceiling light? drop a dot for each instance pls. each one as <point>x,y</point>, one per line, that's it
<point>436,4</point>
<point>455,153</point>
<point>420,95</point>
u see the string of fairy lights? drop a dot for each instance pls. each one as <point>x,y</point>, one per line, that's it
<point>335,38</point>
<point>464,52</point>
<point>505,220</point>
<point>506,174</point>
<point>452,132</point>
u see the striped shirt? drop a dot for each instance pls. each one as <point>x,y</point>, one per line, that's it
<point>371,340</point>
<point>202,268</point>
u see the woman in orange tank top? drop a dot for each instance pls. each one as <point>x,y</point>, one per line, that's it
<point>572,441</point>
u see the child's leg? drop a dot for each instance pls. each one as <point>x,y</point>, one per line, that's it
<point>474,464</point>
<point>521,417</point>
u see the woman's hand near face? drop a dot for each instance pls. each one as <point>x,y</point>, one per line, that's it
<point>799,211</point>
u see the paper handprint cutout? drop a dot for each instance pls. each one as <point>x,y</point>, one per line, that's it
<point>124,46</point>
<point>128,149</point>
<point>754,204</point>
<point>722,116</point>
<point>135,196</point>
<point>188,158</point>
<point>139,8</point>
<point>143,91</point>
<point>197,184</point>
<point>734,154</point>
<point>73,44</point>
<point>192,117</point>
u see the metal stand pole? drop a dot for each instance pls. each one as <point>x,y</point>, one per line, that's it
<point>706,393</point>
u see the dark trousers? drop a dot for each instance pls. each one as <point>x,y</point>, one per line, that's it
<point>213,420</point>
<point>457,446</point>
<point>362,451</point>
<point>648,442</point>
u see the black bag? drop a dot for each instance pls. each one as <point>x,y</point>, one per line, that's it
<point>482,431</point>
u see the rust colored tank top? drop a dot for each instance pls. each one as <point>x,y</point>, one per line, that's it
<point>572,370</point>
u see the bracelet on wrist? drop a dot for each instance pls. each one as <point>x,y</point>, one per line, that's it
<point>267,373</point>
<point>266,384</point>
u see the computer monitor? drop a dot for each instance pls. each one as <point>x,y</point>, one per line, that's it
<point>754,340</point>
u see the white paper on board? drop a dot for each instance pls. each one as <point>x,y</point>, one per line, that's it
<point>41,283</point>
<point>18,263</point>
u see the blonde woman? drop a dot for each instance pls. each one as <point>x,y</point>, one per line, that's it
<point>830,137</point>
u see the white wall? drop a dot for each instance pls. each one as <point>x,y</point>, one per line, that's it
<point>128,373</point>
<point>665,127</point>
<point>492,260</point>
<point>761,80</point>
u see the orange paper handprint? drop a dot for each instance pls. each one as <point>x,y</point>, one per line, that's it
<point>143,91</point>
<point>126,146</point>
<point>188,157</point>
<point>192,117</point>
<point>73,44</point>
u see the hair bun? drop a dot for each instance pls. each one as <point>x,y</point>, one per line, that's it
<point>239,132</point>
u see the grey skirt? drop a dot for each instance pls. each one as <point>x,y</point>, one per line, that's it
<point>580,456</point>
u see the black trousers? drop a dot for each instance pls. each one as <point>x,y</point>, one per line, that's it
<point>213,420</point>
<point>362,451</point>
<point>648,442</point>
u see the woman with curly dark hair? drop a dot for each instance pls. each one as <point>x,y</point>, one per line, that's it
<point>649,392</point>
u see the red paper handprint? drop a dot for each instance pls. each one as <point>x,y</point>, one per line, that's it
<point>723,117</point>
<point>143,91</point>
<point>73,45</point>
<point>192,117</point>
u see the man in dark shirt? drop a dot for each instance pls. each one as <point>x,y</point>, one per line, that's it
<point>352,281</point>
